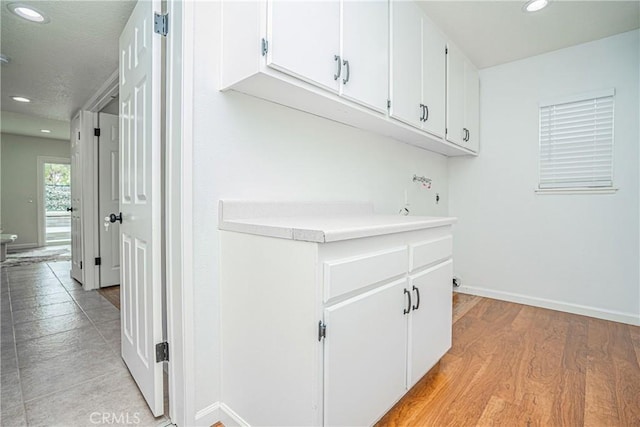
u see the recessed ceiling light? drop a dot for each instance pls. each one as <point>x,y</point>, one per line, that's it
<point>28,12</point>
<point>20,99</point>
<point>4,59</point>
<point>45,131</point>
<point>535,5</point>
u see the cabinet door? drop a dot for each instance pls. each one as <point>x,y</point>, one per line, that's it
<point>433,78</point>
<point>455,96</point>
<point>304,37</point>
<point>472,106</point>
<point>365,45</point>
<point>406,62</point>
<point>365,356</point>
<point>430,321</point>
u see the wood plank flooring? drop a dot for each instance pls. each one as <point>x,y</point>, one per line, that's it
<point>111,293</point>
<point>516,365</point>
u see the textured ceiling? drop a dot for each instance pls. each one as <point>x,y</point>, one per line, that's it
<point>22,124</point>
<point>495,32</point>
<point>60,65</point>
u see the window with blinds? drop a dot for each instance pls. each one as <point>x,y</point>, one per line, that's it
<point>576,143</point>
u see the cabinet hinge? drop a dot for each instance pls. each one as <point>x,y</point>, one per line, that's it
<point>322,330</point>
<point>446,50</point>
<point>96,131</point>
<point>388,103</point>
<point>80,265</point>
<point>78,135</point>
<point>98,261</point>
<point>161,23</point>
<point>162,352</point>
<point>265,47</point>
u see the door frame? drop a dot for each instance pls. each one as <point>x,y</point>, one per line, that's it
<point>40,201</point>
<point>177,180</point>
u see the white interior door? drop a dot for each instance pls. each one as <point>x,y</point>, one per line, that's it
<point>140,201</point>
<point>76,198</point>
<point>108,198</point>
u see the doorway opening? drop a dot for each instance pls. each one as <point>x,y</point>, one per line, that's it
<point>54,201</point>
<point>57,203</point>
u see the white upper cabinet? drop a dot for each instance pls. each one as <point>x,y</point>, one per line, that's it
<point>364,73</point>
<point>376,65</point>
<point>340,46</point>
<point>418,69</point>
<point>433,78</point>
<point>406,63</point>
<point>472,106</point>
<point>455,96</point>
<point>463,98</point>
<point>304,39</point>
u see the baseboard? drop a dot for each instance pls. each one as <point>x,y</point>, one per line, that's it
<point>22,246</point>
<point>219,412</point>
<point>616,316</point>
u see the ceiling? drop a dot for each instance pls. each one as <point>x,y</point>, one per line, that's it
<point>496,32</point>
<point>23,124</point>
<point>61,64</point>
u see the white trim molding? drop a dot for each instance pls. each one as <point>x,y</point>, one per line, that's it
<point>219,412</point>
<point>600,313</point>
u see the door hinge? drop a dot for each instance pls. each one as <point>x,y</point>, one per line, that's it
<point>388,103</point>
<point>96,131</point>
<point>322,330</point>
<point>78,135</point>
<point>446,50</point>
<point>80,265</point>
<point>162,352</point>
<point>98,261</point>
<point>161,23</point>
<point>265,47</point>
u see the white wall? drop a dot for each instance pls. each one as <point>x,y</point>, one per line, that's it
<point>573,252</point>
<point>246,148</point>
<point>20,184</point>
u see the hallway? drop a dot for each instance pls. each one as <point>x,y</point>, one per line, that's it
<point>60,354</point>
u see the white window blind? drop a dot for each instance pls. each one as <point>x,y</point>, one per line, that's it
<point>576,143</point>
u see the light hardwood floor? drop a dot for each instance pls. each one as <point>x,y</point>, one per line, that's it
<point>112,293</point>
<point>515,365</point>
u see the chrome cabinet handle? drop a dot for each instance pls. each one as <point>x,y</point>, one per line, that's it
<point>346,79</point>
<point>468,135</point>
<point>408,309</point>
<point>422,112</point>
<point>337,59</point>
<point>426,115</point>
<point>417,306</point>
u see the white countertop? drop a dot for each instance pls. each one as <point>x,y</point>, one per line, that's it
<point>318,222</point>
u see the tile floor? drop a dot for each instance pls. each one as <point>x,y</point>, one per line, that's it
<point>60,354</point>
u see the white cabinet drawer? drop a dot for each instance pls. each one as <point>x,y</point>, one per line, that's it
<point>347,275</point>
<point>429,252</point>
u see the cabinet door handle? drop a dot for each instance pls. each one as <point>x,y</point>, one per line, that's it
<point>422,112</point>
<point>468,135</point>
<point>417,306</point>
<point>337,59</point>
<point>346,79</point>
<point>408,309</point>
<point>426,113</point>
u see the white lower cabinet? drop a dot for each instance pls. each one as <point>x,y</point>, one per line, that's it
<point>334,333</point>
<point>365,356</point>
<point>430,320</point>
